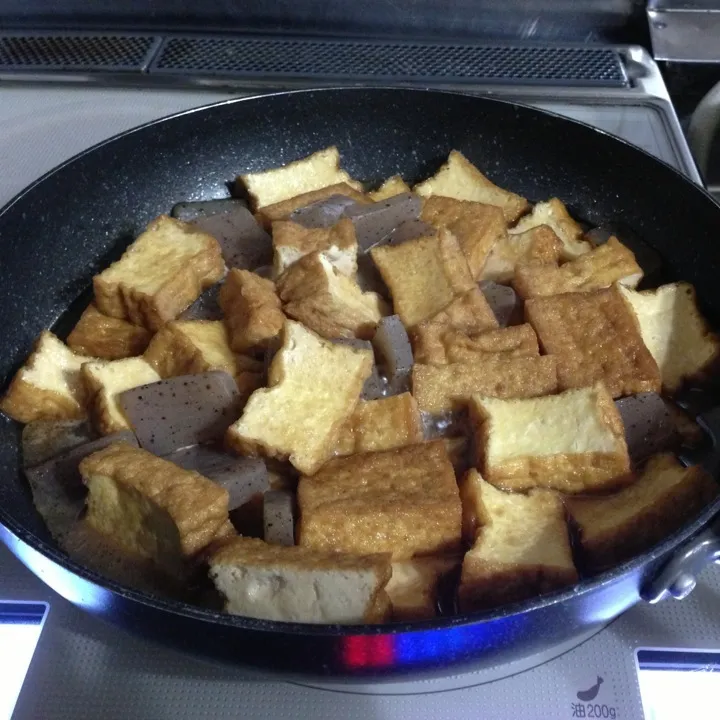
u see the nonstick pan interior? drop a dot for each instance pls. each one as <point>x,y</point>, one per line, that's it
<point>62,230</point>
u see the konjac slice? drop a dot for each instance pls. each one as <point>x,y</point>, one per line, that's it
<point>182,411</point>
<point>242,477</point>
<point>392,344</point>
<point>409,230</point>
<point>503,300</point>
<point>649,427</point>
<point>243,242</point>
<point>374,222</point>
<point>279,517</point>
<point>323,213</point>
<point>57,487</point>
<point>44,439</point>
<point>206,307</point>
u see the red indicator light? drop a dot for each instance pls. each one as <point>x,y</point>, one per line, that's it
<point>368,651</point>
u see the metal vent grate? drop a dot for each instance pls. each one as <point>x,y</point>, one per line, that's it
<point>365,60</point>
<point>76,52</point>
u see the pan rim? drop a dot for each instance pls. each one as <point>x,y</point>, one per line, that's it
<point>657,553</point>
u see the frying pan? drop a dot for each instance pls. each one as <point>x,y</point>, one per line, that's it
<point>60,231</point>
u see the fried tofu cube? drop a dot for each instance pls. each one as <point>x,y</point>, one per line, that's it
<point>48,385</point>
<point>573,442</point>
<point>195,346</point>
<point>436,344</point>
<point>477,227</point>
<point>151,507</point>
<point>675,333</point>
<point>108,338</point>
<point>312,383</point>
<point>403,501</point>
<point>594,336</point>
<point>614,528</point>
<point>554,214</point>
<point>459,178</point>
<point>315,292</point>
<point>442,389</point>
<point>252,309</point>
<point>521,548</point>
<point>601,267</point>
<point>105,380</point>
<point>536,245</point>
<point>510,342</point>
<point>282,210</point>
<point>294,584</point>
<point>160,274</point>
<point>393,186</point>
<point>337,243</point>
<point>415,586</point>
<point>381,424</point>
<point>313,172</point>
<point>424,275</point>
<point>469,312</point>
<point>687,429</point>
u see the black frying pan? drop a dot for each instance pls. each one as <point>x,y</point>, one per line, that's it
<point>68,225</point>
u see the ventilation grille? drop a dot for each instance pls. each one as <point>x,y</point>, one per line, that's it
<point>311,60</point>
<point>358,60</point>
<point>77,52</point>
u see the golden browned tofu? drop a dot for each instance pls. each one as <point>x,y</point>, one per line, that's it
<point>674,331</point>
<point>381,424</point>
<point>446,388</point>
<point>248,382</point>
<point>292,242</point>
<point>313,384</point>
<point>536,245</point>
<point>436,344</point>
<point>477,227</point>
<point>415,585</point>
<point>554,214</point>
<point>573,442</point>
<point>459,178</point>
<point>393,186</point>
<point>607,264</point>
<point>150,506</point>
<point>313,172</point>
<point>594,336</point>
<point>424,275</point>
<point>614,528</point>
<point>521,547</point>
<point>48,385</point>
<point>267,215</point>
<point>196,346</point>
<point>686,426</point>
<point>469,312</point>
<point>332,304</point>
<point>160,274</point>
<point>295,584</point>
<point>403,501</point>
<point>109,338</point>
<point>105,380</point>
<point>252,309</point>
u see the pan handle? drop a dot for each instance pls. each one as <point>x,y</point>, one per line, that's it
<point>678,577</point>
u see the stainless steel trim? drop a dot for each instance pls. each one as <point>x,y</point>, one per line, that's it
<point>645,86</point>
<point>685,32</point>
